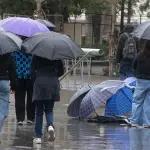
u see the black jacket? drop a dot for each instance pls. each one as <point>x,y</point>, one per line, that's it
<point>46,73</point>
<point>46,67</point>
<point>141,66</point>
<point>7,70</point>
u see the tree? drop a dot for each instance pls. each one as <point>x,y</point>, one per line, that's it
<point>23,7</point>
<point>95,9</point>
<point>92,8</point>
<point>145,6</point>
<point>75,7</point>
<point>127,9</point>
<point>122,3</point>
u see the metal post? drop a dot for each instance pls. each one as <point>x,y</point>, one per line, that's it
<point>89,70</point>
<point>140,18</point>
<point>82,73</point>
<point>111,39</point>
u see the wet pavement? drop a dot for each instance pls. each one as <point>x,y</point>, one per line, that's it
<point>73,134</point>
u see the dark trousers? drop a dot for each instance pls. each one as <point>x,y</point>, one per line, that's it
<point>41,106</point>
<point>24,87</point>
<point>126,70</point>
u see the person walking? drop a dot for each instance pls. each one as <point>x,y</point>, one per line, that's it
<point>141,101</point>
<point>126,52</point>
<point>7,73</point>
<point>24,86</point>
<point>45,92</point>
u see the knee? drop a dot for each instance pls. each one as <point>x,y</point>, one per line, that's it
<point>39,112</point>
<point>47,111</point>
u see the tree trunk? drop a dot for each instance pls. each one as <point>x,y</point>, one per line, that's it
<point>129,10</point>
<point>122,15</point>
<point>38,13</point>
<point>96,22</point>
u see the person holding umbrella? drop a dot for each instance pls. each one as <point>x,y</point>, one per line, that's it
<point>24,86</point>
<point>7,72</point>
<point>24,27</point>
<point>49,49</point>
<point>141,101</point>
<point>45,93</point>
<point>8,44</point>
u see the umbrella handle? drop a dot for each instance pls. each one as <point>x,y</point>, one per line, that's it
<point>130,87</point>
<point>61,78</point>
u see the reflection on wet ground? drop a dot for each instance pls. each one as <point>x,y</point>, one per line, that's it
<point>73,134</point>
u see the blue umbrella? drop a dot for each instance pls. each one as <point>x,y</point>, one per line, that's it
<point>121,102</point>
<point>100,94</point>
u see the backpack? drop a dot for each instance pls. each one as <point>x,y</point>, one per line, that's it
<point>130,49</point>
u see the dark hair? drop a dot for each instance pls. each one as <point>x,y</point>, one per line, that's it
<point>146,50</point>
<point>23,37</point>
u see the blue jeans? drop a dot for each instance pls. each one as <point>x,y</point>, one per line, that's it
<point>4,101</point>
<point>41,106</point>
<point>126,70</point>
<point>141,103</point>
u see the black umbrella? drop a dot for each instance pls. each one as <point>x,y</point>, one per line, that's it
<point>142,31</point>
<point>52,46</point>
<point>9,42</point>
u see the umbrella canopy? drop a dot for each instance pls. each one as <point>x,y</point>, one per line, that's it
<point>46,23</point>
<point>2,29</point>
<point>75,101</point>
<point>78,97</point>
<point>98,96</point>
<point>23,26</point>
<point>9,43</point>
<point>52,46</point>
<point>121,102</point>
<point>142,31</point>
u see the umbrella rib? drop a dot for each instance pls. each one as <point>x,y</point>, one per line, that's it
<point>69,47</point>
<point>36,46</point>
<point>54,49</point>
<point>145,31</point>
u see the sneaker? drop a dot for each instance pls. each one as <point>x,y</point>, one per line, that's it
<point>51,133</point>
<point>37,140</point>
<point>20,123</point>
<point>30,122</point>
<point>134,125</point>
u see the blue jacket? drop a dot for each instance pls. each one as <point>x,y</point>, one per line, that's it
<point>23,62</point>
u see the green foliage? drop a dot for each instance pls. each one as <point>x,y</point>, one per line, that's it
<point>23,7</point>
<point>145,6</point>
<point>133,6</point>
<point>76,7</point>
<point>95,6</point>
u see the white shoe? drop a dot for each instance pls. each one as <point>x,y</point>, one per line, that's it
<point>20,123</point>
<point>135,125</point>
<point>30,122</point>
<point>37,140</point>
<point>51,133</point>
